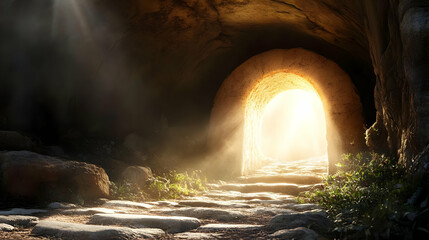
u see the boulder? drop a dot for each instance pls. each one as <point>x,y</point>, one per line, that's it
<point>316,221</point>
<point>137,174</point>
<point>65,230</point>
<point>33,176</point>
<point>296,233</point>
<point>10,140</point>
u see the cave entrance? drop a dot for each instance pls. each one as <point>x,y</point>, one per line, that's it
<point>284,121</point>
<point>293,127</point>
<point>242,98</point>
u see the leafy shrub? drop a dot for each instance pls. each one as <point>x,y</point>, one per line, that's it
<point>366,198</point>
<point>169,185</point>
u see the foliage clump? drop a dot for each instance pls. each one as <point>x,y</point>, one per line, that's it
<point>168,185</point>
<point>366,198</point>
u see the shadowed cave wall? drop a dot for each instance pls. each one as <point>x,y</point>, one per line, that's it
<point>114,77</point>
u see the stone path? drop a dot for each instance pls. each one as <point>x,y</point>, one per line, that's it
<point>260,206</point>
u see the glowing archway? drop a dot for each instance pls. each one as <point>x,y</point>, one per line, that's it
<point>254,83</point>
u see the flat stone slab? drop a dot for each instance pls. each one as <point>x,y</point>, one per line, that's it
<point>168,224</point>
<point>164,203</point>
<point>282,178</point>
<point>285,188</point>
<point>211,203</point>
<point>127,204</point>
<point>58,205</point>
<point>197,235</point>
<point>296,233</point>
<point>206,213</point>
<point>220,226</point>
<point>84,231</point>
<point>95,210</point>
<point>18,220</point>
<point>235,195</point>
<point>22,211</point>
<point>6,227</point>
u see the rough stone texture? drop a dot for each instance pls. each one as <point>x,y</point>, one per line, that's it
<point>82,231</point>
<point>398,33</point>
<point>58,205</point>
<point>22,211</point>
<point>316,221</point>
<point>6,227</point>
<point>25,221</point>
<point>137,174</point>
<point>221,226</point>
<point>211,203</point>
<point>286,188</point>
<point>169,224</point>
<point>296,233</point>
<point>94,210</point>
<point>206,213</point>
<point>38,177</point>
<point>197,236</point>
<point>129,204</point>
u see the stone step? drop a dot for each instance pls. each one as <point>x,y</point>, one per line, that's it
<point>168,224</point>
<point>217,214</point>
<point>65,230</point>
<point>234,195</point>
<point>284,188</point>
<point>223,227</point>
<point>284,178</point>
<point>212,203</point>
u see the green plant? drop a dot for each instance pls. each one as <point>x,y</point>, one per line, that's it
<point>168,185</point>
<point>366,198</point>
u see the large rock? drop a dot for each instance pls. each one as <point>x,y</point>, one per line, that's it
<point>83,231</point>
<point>316,221</point>
<point>25,221</point>
<point>206,213</point>
<point>37,177</point>
<point>169,224</point>
<point>296,233</point>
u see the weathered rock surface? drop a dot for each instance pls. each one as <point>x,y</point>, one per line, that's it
<point>94,210</point>
<point>25,221</point>
<point>197,235</point>
<point>316,221</point>
<point>206,213</point>
<point>301,233</point>
<point>58,205</point>
<point>83,231</point>
<point>127,204</point>
<point>211,203</point>
<point>285,188</point>
<point>220,226</point>
<point>22,211</point>
<point>34,176</point>
<point>169,224</point>
<point>6,227</point>
<point>137,174</point>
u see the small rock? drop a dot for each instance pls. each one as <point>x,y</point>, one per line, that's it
<point>197,235</point>
<point>22,211</point>
<point>169,224</point>
<point>296,233</point>
<point>164,203</point>
<point>16,220</point>
<point>58,205</point>
<point>220,226</point>
<point>206,213</point>
<point>316,221</point>
<point>129,204</point>
<point>85,231</point>
<point>6,227</point>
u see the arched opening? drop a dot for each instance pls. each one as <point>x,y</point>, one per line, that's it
<point>293,127</point>
<point>241,100</point>
<point>283,111</point>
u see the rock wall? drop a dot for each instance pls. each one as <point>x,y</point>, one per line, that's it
<point>108,69</point>
<point>398,33</point>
